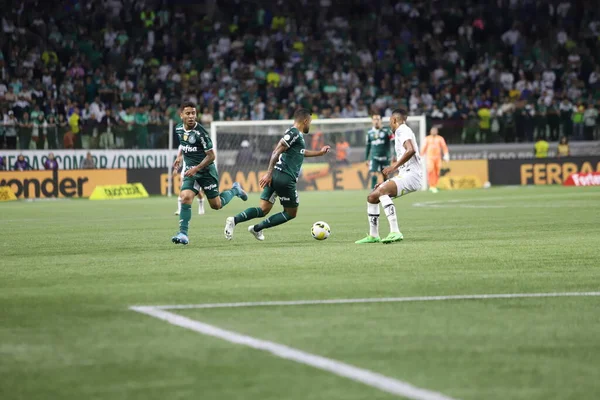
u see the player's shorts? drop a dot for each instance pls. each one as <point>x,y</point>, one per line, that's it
<point>407,182</point>
<point>284,186</point>
<point>207,180</point>
<point>377,165</point>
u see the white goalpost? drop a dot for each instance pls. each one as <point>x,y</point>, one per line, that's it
<point>235,140</point>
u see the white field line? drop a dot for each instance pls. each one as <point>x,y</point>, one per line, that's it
<point>372,300</point>
<point>370,378</point>
<point>459,203</point>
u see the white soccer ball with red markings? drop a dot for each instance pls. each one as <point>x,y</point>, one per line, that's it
<point>320,230</point>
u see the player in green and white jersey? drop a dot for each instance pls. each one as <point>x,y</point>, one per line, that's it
<point>280,179</point>
<point>380,139</point>
<point>200,170</point>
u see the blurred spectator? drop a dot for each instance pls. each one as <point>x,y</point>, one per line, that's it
<point>10,130</point>
<point>107,137</point>
<point>51,163</point>
<point>578,122</point>
<point>39,131</point>
<point>75,128</point>
<point>563,148</point>
<point>206,117</point>
<point>590,117</point>
<point>88,162</point>
<point>541,148</point>
<point>2,163</point>
<point>52,132</point>
<point>25,130</point>
<point>141,119</point>
<point>21,164</point>
<point>342,147</point>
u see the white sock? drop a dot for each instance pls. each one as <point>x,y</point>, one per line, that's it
<point>373,213</point>
<point>390,211</point>
<point>179,204</point>
<point>201,205</point>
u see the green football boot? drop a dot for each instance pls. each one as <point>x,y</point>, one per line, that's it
<point>392,237</point>
<point>368,239</point>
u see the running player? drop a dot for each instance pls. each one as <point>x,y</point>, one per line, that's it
<point>199,172</point>
<point>408,180</point>
<point>200,195</point>
<point>280,180</point>
<point>379,141</point>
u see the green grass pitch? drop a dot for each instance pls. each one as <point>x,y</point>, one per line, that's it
<point>70,270</point>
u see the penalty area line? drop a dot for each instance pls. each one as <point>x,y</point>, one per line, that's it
<point>364,376</point>
<point>371,300</point>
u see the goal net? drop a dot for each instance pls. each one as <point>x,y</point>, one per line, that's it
<point>243,149</point>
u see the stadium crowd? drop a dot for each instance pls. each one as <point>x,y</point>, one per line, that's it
<point>110,73</point>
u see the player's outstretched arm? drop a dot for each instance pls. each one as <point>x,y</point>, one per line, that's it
<point>210,157</point>
<point>177,161</point>
<point>410,151</point>
<point>280,149</point>
<point>316,153</point>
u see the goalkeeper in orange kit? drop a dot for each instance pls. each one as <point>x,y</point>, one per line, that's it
<point>435,150</point>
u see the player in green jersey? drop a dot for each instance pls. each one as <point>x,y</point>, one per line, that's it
<point>280,179</point>
<point>379,141</point>
<point>200,171</point>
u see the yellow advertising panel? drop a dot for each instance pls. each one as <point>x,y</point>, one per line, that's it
<point>65,183</point>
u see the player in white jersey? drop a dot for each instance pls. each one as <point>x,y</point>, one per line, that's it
<point>410,173</point>
<point>200,195</point>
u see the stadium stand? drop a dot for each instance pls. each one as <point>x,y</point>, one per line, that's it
<point>493,71</point>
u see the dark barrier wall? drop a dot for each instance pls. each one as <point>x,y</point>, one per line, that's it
<point>539,171</point>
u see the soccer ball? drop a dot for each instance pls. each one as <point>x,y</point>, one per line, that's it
<point>320,230</point>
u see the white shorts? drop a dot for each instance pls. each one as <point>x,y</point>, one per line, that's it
<point>407,182</point>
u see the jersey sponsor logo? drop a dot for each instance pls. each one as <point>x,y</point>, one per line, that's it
<point>210,187</point>
<point>284,198</point>
<point>188,149</point>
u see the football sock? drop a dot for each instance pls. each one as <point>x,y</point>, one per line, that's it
<point>226,196</point>
<point>184,218</point>
<point>201,205</point>
<point>373,213</point>
<point>248,214</point>
<point>179,205</point>
<point>373,181</point>
<point>277,219</point>
<point>390,212</point>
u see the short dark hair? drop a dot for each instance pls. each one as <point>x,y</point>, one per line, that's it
<point>188,104</point>
<point>301,114</point>
<point>401,112</point>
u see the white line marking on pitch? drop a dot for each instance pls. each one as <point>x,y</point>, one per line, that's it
<point>356,374</point>
<point>459,203</point>
<point>374,300</point>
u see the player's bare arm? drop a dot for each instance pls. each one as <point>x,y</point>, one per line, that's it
<point>210,157</point>
<point>410,151</point>
<point>177,161</point>
<point>316,153</point>
<point>280,149</point>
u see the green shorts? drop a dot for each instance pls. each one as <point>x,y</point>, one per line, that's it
<point>207,180</point>
<point>284,186</point>
<point>378,165</point>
